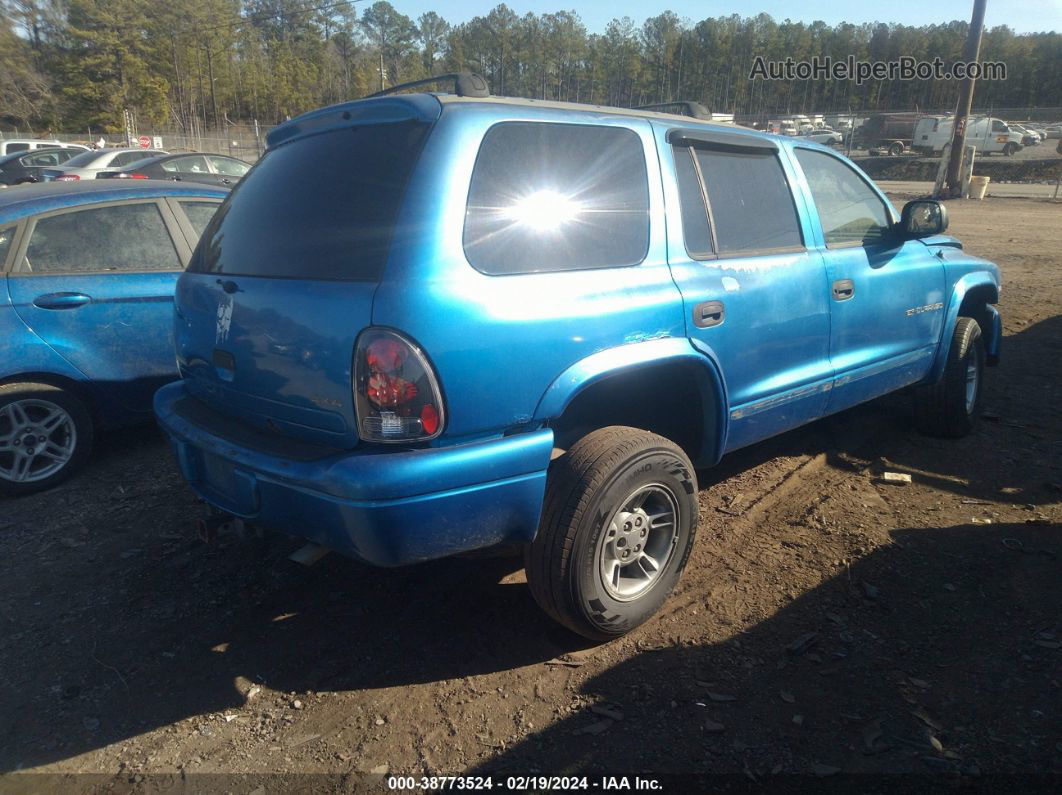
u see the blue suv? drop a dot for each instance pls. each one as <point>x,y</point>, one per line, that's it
<point>427,324</point>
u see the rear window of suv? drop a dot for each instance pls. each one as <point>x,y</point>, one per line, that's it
<point>319,207</point>
<point>557,197</point>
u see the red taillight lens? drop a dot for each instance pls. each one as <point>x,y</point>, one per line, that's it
<point>396,394</point>
<point>138,176</point>
<point>67,178</point>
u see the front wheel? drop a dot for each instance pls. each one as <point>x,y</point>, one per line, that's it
<point>895,148</point>
<point>950,407</point>
<point>45,435</point>
<point>618,524</point>
<point>1010,149</point>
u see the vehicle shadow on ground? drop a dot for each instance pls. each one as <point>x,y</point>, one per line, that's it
<point>137,625</point>
<point>935,653</point>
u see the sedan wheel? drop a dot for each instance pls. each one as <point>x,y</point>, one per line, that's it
<point>45,434</point>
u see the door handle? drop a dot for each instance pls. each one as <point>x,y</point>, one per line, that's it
<point>61,300</point>
<point>843,289</point>
<point>708,314</point>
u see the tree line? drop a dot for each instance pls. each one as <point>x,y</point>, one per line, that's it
<point>71,65</point>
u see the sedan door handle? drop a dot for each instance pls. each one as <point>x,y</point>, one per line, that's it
<point>843,289</point>
<point>61,300</point>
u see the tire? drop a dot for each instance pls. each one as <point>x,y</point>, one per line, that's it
<point>895,148</point>
<point>950,407</point>
<point>585,530</point>
<point>30,413</point>
<point>1010,149</point>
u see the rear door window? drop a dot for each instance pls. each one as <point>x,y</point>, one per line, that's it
<point>229,167</point>
<point>319,207</point>
<point>556,197</point>
<point>123,237</point>
<point>196,164</point>
<point>749,201</point>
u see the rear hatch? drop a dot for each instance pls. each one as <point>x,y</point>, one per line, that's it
<point>282,281</point>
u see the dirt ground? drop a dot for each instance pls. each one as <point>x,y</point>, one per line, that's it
<point>827,624</point>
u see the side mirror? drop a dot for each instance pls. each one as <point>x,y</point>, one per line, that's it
<point>923,218</point>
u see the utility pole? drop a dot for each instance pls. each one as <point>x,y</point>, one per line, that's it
<point>970,53</point>
<point>383,72</point>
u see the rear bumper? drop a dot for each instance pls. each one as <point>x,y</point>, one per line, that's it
<point>382,507</point>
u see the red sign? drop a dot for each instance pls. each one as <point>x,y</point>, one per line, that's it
<point>144,141</point>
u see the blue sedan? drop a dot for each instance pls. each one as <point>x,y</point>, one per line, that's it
<point>87,314</point>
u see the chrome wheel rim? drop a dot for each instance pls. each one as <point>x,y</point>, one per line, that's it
<point>37,439</point>
<point>638,542</point>
<point>973,373</point>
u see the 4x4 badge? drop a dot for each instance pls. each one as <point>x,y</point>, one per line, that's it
<point>224,319</point>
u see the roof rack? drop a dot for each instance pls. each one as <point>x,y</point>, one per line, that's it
<point>466,84</point>
<point>680,107</point>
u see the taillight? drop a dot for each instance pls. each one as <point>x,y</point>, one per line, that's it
<point>396,395</point>
<point>135,176</point>
<point>67,178</point>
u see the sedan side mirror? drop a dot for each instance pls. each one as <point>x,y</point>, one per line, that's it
<point>923,218</point>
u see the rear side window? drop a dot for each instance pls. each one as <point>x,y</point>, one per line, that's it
<point>321,207</point>
<point>749,200</point>
<point>557,197</point>
<point>6,236</point>
<point>124,237</point>
<point>199,214</point>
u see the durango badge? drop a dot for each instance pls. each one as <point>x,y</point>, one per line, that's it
<point>224,320</point>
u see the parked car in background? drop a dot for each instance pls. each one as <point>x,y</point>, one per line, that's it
<point>205,168</point>
<point>822,135</point>
<point>87,321</point>
<point>23,167</point>
<point>1053,130</point>
<point>88,164</point>
<point>504,321</point>
<point>11,145</point>
<point>1028,137</point>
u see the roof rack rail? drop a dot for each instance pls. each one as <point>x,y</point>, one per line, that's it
<point>680,107</point>
<point>466,84</point>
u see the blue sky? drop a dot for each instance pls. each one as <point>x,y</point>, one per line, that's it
<point>1023,16</point>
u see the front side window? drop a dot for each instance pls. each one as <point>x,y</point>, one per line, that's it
<point>557,197</point>
<point>750,201</point>
<point>849,210</point>
<point>124,237</point>
<point>18,148</point>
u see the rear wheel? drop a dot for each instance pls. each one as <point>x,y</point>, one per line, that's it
<point>45,435</point>
<point>950,407</point>
<point>618,523</point>
<point>895,148</point>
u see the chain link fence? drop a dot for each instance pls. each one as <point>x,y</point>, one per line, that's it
<point>243,141</point>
